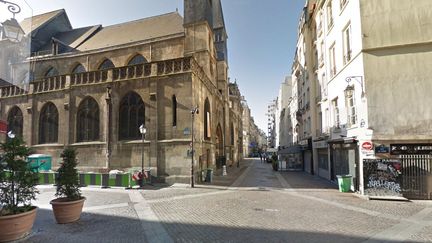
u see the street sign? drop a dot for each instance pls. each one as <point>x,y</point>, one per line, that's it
<point>367,146</point>
<point>381,149</point>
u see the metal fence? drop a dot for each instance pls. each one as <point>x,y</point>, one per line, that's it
<point>417,176</point>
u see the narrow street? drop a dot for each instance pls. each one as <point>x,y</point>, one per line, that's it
<point>261,206</point>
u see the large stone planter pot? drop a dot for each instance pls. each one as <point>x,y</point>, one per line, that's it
<point>67,211</point>
<point>14,227</point>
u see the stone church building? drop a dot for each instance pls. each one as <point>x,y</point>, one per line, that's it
<point>91,88</point>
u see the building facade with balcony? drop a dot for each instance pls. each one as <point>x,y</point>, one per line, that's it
<point>365,64</point>
<point>92,87</point>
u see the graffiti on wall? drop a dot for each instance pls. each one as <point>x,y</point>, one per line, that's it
<point>382,177</point>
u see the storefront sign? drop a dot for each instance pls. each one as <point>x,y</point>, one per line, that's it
<point>320,144</point>
<point>382,177</point>
<point>398,149</point>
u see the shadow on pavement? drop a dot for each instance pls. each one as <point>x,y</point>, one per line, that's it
<point>303,180</point>
<point>94,227</point>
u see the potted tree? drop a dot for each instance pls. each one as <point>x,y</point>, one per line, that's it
<point>17,189</point>
<point>67,207</point>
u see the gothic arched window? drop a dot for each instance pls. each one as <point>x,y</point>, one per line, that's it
<point>51,72</point>
<point>48,124</point>
<point>132,113</point>
<point>207,120</point>
<point>174,111</point>
<point>15,121</point>
<point>137,59</point>
<point>79,69</point>
<point>106,64</point>
<point>88,120</point>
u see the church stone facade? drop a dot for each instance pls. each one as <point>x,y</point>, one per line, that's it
<point>91,88</point>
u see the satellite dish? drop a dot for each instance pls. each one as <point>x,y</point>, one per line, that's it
<point>10,134</point>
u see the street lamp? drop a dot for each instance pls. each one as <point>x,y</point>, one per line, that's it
<point>193,112</point>
<point>359,80</point>
<point>11,30</point>
<point>143,131</point>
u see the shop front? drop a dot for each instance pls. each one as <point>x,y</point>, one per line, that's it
<point>306,146</point>
<point>344,160</point>
<point>321,150</point>
<point>292,158</point>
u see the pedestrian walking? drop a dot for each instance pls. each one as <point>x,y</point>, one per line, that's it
<point>260,154</point>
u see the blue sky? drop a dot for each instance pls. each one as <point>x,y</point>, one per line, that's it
<point>262,36</point>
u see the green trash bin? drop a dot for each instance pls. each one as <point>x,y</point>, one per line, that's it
<point>39,162</point>
<point>344,182</point>
<point>209,176</point>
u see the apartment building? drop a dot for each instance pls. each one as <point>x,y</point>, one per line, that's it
<point>360,75</point>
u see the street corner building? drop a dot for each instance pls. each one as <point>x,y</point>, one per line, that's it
<point>358,94</point>
<point>91,88</point>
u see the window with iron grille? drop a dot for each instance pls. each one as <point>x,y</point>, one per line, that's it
<point>350,106</point>
<point>329,15</point>
<point>347,52</point>
<point>48,124</point>
<point>132,114</point>
<point>88,121</point>
<point>332,61</point>
<point>336,120</point>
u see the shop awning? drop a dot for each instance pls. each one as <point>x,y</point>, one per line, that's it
<point>291,150</point>
<point>343,140</point>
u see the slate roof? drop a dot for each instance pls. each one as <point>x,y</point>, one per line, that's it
<point>4,83</point>
<point>75,37</point>
<point>33,23</point>
<point>134,31</point>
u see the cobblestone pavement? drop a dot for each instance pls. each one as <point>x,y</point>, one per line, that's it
<point>252,203</point>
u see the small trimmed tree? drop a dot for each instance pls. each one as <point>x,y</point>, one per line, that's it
<point>17,181</point>
<point>68,179</point>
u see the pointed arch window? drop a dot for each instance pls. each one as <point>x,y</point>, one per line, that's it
<point>174,111</point>
<point>207,120</point>
<point>106,64</point>
<point>132,113</point>
<point>48,124</point>
<point>88,121</point>
<point>15,121</point>
<point>137,59</point>
<point>79,69</point>
<point>51,72</point>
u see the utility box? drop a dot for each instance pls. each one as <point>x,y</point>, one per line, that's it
<point>39,162</point>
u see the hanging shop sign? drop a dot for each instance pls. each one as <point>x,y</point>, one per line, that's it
<point>400,149</point>
<point>382,177</point>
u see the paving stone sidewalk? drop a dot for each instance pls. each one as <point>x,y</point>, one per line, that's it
<point>252,203</point>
